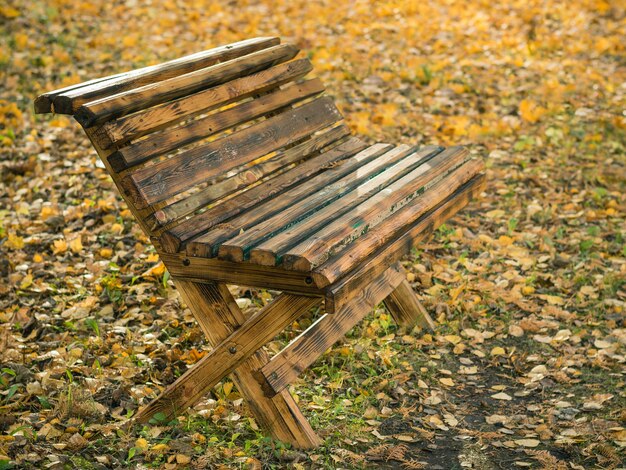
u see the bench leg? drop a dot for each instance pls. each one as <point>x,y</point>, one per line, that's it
<point>406,310</point>
<point>220,318</point>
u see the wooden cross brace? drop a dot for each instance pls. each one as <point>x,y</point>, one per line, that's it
<point>238,348</point>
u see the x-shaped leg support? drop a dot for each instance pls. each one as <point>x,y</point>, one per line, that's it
<point>237,344</point>
<point>237,349</point>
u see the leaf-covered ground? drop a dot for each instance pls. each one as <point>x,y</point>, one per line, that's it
<point>527,367</point>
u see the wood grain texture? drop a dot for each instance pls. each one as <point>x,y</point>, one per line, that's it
<point>248,176</point>
<point>299,199</point>
<point>204,269</point>
<point>267,248</point>
<point>295,206</point>
<point>175,138</point>
<point>218,315</point>
<point>387,247</point>
<point>167,178</point>
<point>326,331</point>
<point>224,358</point>
<point>136,125</point>
<point>347,228</point>
<point>406,310</point>
<point>337,299</point>
<point>135,99</point>
<point>179,236</point>
<point>68,99</point>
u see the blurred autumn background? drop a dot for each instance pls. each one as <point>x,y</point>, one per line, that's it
<point>527,368</point>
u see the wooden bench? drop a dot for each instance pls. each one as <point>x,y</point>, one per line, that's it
<point>242,172</point>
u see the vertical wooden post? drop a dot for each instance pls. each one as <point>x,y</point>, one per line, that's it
<point>216,311</point>
<point>406,310</point>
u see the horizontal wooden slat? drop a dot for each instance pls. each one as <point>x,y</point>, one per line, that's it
<point>227,355</point>
<point>68,99</point>
<point>97,111</point>
<point>303,351</point>
<point>270,251</point>
<point>248,176</point>
<point>347,228</point>
<point>175,138</point>
<point>167,178</point>
<point>301,200</point>
<point>391,246</point>
<point>136,125</point>
<point>173,239</point>
<point>205,269</point>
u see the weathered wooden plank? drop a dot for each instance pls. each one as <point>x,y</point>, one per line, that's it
<point>270,252</point>
<point>136,125</point>
<point>299,201</point>
<point>391,246</point>
<point>337,299</point>
<point>103,109</point>
<point>242,274</point>
<point>227,355</point>
<point>177,137</point>
<point>347,228</point>
<point>167,178</point>
<point>173,239</point>
<point>250,175</point>
<point>304,350</point>
<point>218,315</point>
<point>67,100</point>
<point>406,310</point>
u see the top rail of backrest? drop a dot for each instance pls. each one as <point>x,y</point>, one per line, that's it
<point>69,99</point>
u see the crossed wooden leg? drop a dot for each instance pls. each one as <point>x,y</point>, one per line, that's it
<point>237,349</point>
<point>406,310</point>
<point>237,346</point>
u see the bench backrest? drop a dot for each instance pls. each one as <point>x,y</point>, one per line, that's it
<point>183,135</point>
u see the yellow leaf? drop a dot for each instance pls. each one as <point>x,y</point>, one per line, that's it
<point>360,122</point>
<point>447,381</point>
<point>76,245</point>
<point>552,299</point>
<point>531,111</point>
<point>129,41</point>
<point>159,448</point>
<point>60,122</point>
<point>9,12</point>
<point>14,242</point>
<point>454,339</point>
<point>182,459</point>
<point>228,387</point>
<point>27,281</point>
<point>60,246</point>
<point>386,114</point>
<point>156,271</point>
<point>498,351</point>
<point>495,214</point>
<point>47,212</point>
<point>152,258</point>
<point>141,443</point>
<point>106,252</point>
<point>21,40</point>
